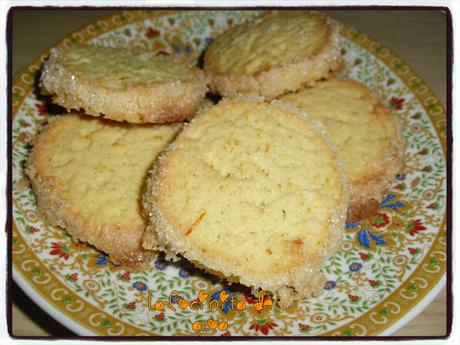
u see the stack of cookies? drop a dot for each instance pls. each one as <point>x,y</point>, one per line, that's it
<point>88,172</point>
<point>255,189</point>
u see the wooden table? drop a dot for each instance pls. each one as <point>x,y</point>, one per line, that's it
<point>419,37</point>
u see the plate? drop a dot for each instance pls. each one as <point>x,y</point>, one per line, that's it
<point>388,268</point>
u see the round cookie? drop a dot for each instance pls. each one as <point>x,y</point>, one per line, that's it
<point>276,53</point>
<point>365,133</point>
<point>253,193</point>
<point>88,174</point>
<point>120,85</point>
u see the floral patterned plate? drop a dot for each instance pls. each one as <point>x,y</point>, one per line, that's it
<point>388,268</point>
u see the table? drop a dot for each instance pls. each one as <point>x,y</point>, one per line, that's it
<point>419,37</point>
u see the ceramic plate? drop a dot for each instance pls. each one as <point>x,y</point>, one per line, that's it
<point>388,268</point>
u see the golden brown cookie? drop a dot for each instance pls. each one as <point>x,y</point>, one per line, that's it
<point>276,53</point>
<point>88,175</point>
<point>119,85</point>
<point>253,193</point>
<point>366,135</point>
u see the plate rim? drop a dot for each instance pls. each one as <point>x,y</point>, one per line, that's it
<point>396,323</point>
<point>49,308</point>
<point>80,330</point>
<point>417,309</point>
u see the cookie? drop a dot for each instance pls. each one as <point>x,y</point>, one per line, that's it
<point>88,174</point>
<point>119,85</point>
<point>253,193</point>
<point>276,53</point>
<point>366,135</point>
